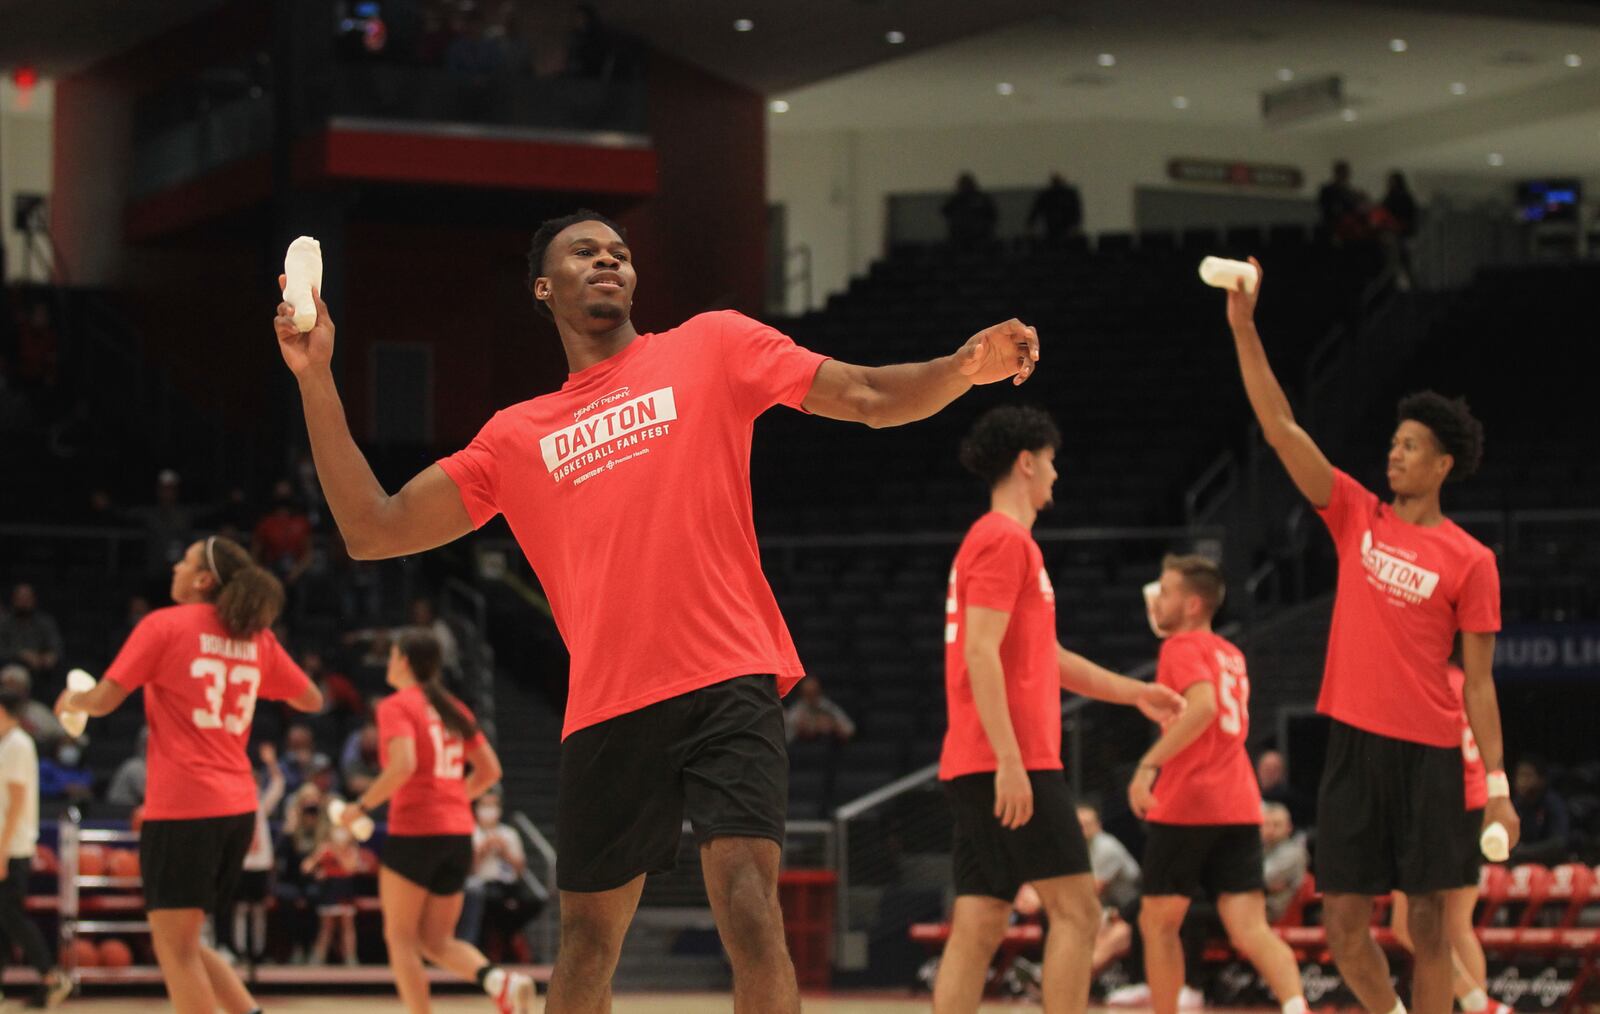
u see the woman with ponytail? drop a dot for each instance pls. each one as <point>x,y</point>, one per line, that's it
<point>203,663</point>
<point>427,740</point>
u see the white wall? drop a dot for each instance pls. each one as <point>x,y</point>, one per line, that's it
<point>25,160</point>
<point>835,183</point>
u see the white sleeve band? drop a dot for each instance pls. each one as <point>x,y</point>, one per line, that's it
<point>1499,786</point>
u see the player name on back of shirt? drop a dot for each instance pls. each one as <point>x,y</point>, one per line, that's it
<point>615,427</point>
<point>222,647</point>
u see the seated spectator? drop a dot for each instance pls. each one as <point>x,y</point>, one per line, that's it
<point>282,539</point>
<point>813,716</point>
<point>1060,208</point>
<point>168,525</point>
<point>1272,773</point>
<point>36,717</point>
<point>1546,824</point>
<point>29,635</point>
<point>127,785</point>
<point>1285,860</point>
<point>61,777</point>
<point>1116,872</point>
<point>342,703</point>
<point>358,762</point>
<point>301,760</point>
<point>423,614</point>
<point>498,862</point>
<point>138,609</point>
<point>969,213</point>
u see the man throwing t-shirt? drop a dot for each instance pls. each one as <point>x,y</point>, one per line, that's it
<point>1389,811</point>
<point>1015,822</point>
<point>1196,788</point>
<point>628,490</point>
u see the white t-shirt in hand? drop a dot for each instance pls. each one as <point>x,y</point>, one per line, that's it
<point>19,764</point>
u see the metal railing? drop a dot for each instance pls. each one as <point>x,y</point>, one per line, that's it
<point>1209,493</point>
<point>545,888</point>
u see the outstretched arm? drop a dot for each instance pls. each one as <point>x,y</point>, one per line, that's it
<point>427,512</point>
<point>1483,714</point>
<point>1307,466</point>
<point>1081,676</point>
<point>882,396</point>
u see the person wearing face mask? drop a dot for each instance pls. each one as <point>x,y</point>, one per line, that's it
<point>428,741</point>
<point>498,864</point>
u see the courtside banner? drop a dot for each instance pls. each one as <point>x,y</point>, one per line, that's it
<point>1548,650</point>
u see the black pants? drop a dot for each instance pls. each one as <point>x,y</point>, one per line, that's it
<point>16,926</point>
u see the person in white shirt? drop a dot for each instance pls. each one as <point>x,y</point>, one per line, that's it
<point>498,862</point>
<point>19,836</point>
<point>250,905</point>
<point>814,716</point>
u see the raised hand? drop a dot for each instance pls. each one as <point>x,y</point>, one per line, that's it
<point>308,351</point>
<point>1000,351</point>
<point>1242,304</point>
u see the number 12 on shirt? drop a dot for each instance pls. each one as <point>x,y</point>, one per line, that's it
<point>448,751</point>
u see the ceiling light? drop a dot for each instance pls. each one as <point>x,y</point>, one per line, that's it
<point>1574,60</point>
<point>1180,102</point>
<point>1496,159</point>
<point>1458,88</point>
<point>1285,74</point>
<point>1348,115</point>
<point>1397,45</point>
<point>743,25</point>
<point>1005,88</point>
<point>1107,60</point>
<point>894,38</point>
<point>780,106</point>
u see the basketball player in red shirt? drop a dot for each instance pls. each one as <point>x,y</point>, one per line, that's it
<point>203,663</point>
<point>426,741</point>
<point>1196,787</point>
<point>1389,809</point>
<point>1471,967</point>
<point>628,491</point>
<point>1016,822</point>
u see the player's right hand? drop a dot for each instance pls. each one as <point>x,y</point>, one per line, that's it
<point>1241,304</point>
<point>1013,796</point>
<point>304,352</point>
<point>1141,794</point>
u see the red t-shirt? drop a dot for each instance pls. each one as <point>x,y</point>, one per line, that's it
<point>1211,780</point>
<point>629,493</point>
<point>200,691</point>
<point>284,536</point>
<point>1404,591</point>
<point>1471,761</point>
<point>999,566</point>
<point>434,799</point>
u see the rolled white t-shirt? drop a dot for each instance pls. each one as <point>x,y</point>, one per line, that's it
<point>19,764</point>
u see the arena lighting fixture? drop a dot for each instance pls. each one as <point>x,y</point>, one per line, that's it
<point>780,106</point>
<point>1458,88</point>
<point>1107,60</point>
<point>1180,102</point>
<point>1285,74</point>
<point>1574,60</point>
<point>1005,88</point>
<point>894,38</point>
<point>1397,46</point>
<point>743,25</point>
<point>1496,159</point>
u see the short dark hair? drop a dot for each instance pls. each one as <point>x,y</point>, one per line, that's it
<point>1201,576</point>
<point>1453,425</point>
<point>1000,434</point>
<point>546,234</point>
<point>12,701</point>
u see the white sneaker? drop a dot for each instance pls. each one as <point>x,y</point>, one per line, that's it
<point>1190,998</point>
<point>1135,995</point>
<point>516,995</point>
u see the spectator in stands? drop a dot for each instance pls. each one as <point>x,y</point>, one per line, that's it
<point>1272,773</point>
<point>61,775</point>
<point>29,635</point>
<point>300,756</point>
<point>424,615</point>
<point>342,703</point>
<point>1060,208</point>
<point>1338,201</point>
<point>127,785</point>
<point>235,517</point>
<point>1116,872</point>
<point>1401,208</point>
<point>38,721</point>
<point>814,716</point>
<point>359,762</point>
<point>255,884</point>
<point>138,609</point>
<point>1285,860</point>
<point>969,213</point>
<point>591,50</point>
<point>498,862</point>
<point>99,511</point>
<point>282,539</point>
<point>19,837</point>
<point>1546,824</point>
<point>332,864</point>
<point>167,524</point>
